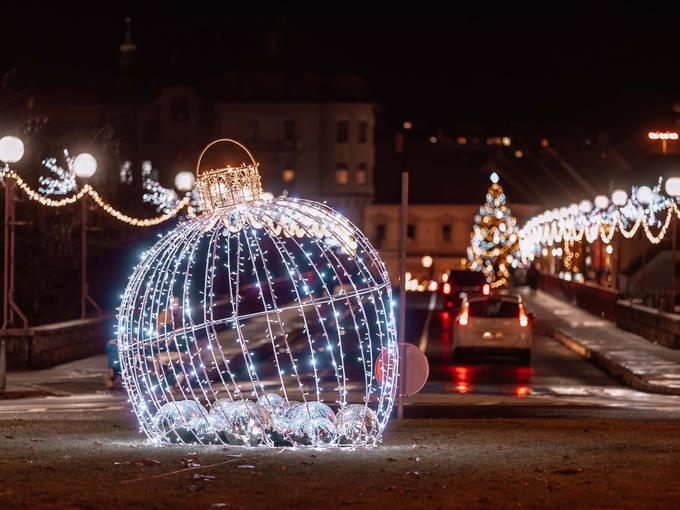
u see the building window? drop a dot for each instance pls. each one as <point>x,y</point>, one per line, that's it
<point>446,232</point>
<point>362,135</point>
<point>179,109</point>
<point>342,131</point>
<point>380,234</point>
<point>288,174</point>
<point>362,174</point>
<point>289,135</point>
<point>410,232</point>
<point>341,174</point>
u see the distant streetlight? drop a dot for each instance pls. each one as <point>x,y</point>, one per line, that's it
<point>673,186</point>
<point>644,195</point>
<point>11,149</point>
<point>663,136</point>
<point>585,206</point>
<point>426,261</point>
<point>619,198</point>
<point>84,165</point>
<point>408,124</point>
<point>184,181</point>
<point>601,202</point>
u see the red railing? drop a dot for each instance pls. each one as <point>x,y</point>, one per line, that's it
<point>600,301</point>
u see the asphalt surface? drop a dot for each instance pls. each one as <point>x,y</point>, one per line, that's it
<point>502,463</point>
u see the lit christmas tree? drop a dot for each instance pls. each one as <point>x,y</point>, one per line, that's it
<point>494,244</point>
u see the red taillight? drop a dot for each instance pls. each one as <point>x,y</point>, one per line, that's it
<point>486,289</point>
<point>446,288</point>
<point>522,391</point>
<point>464,317</point>
<point>523,319</point>
<point>462,387</point>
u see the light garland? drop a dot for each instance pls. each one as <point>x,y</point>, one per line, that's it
<point>8,173</point>
<point>259,322</point>
<point>574,223</point>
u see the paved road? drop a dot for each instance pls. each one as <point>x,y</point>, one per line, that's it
<point>558,383</point>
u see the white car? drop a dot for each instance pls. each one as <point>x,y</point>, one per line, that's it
<point>498,323</point>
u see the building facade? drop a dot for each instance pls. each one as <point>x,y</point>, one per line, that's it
<point>441,231</point>
<point>321,150</point>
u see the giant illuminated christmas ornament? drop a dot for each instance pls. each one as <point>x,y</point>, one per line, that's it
<point>263,321</point>
<point>494,241</point>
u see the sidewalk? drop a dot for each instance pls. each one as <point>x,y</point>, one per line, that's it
<point>640,363</point>
<point>76,377</point>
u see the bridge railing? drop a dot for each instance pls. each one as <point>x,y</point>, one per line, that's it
<point>597,300</point>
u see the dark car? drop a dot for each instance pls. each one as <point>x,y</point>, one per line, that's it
<point>458,283</point>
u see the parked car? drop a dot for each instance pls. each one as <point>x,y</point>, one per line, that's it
<point>457,283</point>
<point>497,323</point>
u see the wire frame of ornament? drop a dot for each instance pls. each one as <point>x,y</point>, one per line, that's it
<point>264,322</point>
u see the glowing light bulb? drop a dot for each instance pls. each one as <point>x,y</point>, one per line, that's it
<point>84,165</point>
<point>11,149</point>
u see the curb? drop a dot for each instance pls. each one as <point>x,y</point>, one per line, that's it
<point>19,394</point>
<point>610,366</point>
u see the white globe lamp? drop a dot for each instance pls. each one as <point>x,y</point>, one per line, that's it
<point>644,195</point>
<point>619,197</point>
<point>184,181</point>
<point>84,165</point>
<point>601,202</point>
<point>673,186</point>
<point>11,149</point>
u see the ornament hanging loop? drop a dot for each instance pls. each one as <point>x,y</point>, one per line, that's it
<point>228,186</point>
<point>223,140</point>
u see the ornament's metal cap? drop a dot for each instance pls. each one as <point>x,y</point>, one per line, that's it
<point>229,186</point>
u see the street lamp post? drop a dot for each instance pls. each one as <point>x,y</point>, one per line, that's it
<point>84,166</point>
<point>11,151</point>
<point>619,199</point>
<point>403,220</point>
<point>673,190</point>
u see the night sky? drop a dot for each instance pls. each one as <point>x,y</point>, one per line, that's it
<point>535,72</point>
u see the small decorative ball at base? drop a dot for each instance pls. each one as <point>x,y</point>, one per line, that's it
<point>311,410</point>
<point>281,430</point>
<point>274,403</point>
<point>314,431</point>
<point>357,423</point>
<point>242,422</point>
<point>175,420</point>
